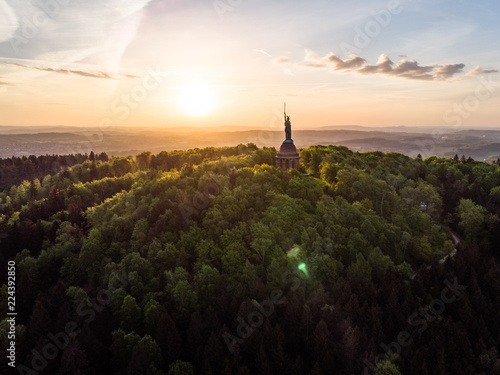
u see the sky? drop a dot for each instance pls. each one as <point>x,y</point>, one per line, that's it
<point>184,63</point>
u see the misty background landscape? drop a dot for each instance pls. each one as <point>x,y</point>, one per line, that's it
<point>479,144</point>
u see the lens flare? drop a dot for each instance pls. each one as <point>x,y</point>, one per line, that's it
<point>303,268</point>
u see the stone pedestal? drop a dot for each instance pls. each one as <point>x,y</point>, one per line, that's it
<point>287,157</point>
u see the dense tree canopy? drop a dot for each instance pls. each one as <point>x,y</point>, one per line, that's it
<point>213,261</point>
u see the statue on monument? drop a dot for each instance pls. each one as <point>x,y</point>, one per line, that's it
<point>288,126</point>
<point>287,157</point>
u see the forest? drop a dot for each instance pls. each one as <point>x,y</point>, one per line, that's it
<point>213,261</point>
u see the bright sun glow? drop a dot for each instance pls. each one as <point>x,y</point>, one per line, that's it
<point>197,100</point>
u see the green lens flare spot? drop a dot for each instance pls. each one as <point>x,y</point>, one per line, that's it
<point>303,268</point>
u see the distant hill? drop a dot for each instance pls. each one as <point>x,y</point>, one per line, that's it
<point>480,144</point>
<point>390,129</point>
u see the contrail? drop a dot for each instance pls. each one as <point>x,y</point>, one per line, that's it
<point>262,51</point>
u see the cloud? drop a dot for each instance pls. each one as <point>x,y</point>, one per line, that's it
<point>262,51</point>
<point>332,59</point>
<point>4,85</point>
<point>2,82</point>
<point>405,69</point>
<point>477,71</point>
<point>93,31</point>
<point>312,65</point>
<point>282,60</point>
<point>105,75</point>
<point>448,71</point>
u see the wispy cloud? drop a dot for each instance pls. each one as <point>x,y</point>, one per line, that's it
<point>262,51</point>
<point>282,60</point>
<point>93,32</point>
<point>477,71</point>
<point>2,82</point>
<point>331,60</point>
<point>405,69</point>
<point>8,21</point>
<point>105,75</point>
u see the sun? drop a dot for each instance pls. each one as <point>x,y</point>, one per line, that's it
<point>197,100</point>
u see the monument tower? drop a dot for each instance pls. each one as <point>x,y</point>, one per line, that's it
<point>287,156</point>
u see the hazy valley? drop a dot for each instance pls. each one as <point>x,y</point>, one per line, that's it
<point>480,144</point>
